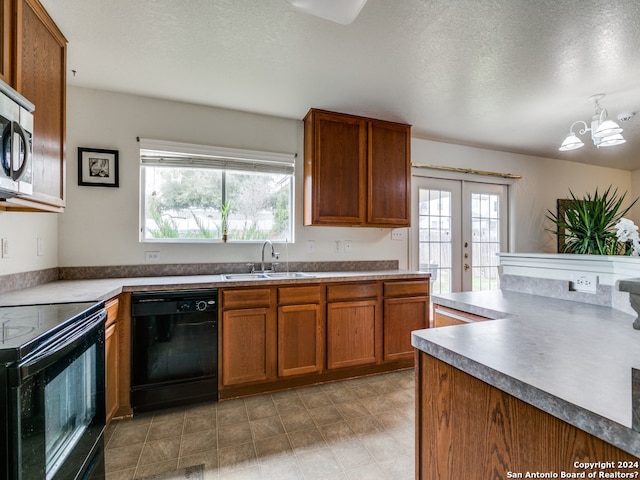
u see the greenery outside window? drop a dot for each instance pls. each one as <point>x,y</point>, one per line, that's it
<point>184,189</point>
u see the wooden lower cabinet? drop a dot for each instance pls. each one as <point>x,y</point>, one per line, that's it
<point>300,342</point>
<point>118,357</point>
<point>466,428</point>
<point>285,336</point>
<point>112,359</point>
<point>401,317</point>
<point>352,328</point>
<point>247,346</point>
<point>446,316</point>
<point>406,308</point>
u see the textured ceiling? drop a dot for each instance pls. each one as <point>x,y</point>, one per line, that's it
<point>508,75</point>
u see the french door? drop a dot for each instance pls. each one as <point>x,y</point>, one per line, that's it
<point>458,229</point>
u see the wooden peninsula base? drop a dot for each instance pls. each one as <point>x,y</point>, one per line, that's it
<point>467,429</point>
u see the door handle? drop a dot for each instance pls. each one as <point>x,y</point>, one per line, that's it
<point>466,267</point>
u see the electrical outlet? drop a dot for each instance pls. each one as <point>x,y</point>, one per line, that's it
<point>40,247</point>
<point>5,248</point>
<point>397,234</point>
<point>585,283</point>
<point>152,256</point>
<point>337,246</point>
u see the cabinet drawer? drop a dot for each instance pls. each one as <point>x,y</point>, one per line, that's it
<point>406,289</point>
<point>352,291</point>
<point>299,295</point>
<point>445,316</point>
<point>111,306</point>
<point>246,298</point>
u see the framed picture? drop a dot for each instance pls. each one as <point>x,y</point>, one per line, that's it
<point>97,167</point>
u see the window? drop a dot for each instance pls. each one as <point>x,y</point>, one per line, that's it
<point>184,189</point>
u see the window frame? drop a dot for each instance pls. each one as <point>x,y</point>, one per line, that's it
<point>183,155</point>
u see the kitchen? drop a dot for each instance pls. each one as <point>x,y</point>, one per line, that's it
<point>98,117</point>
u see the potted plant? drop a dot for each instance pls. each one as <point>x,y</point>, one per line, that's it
<point>588,224</point>
<point>225,208</point>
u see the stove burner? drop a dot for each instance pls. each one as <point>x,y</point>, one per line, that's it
<point>9,332</point>
<point>17,323</point>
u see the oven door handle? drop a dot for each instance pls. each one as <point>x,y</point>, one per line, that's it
<point>58,348</point>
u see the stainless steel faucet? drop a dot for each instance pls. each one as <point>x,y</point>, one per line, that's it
<point>274,254</point>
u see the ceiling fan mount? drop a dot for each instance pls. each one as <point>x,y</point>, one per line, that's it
<point>338,11</point>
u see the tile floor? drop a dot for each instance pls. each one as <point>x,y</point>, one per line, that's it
<point>354,429</point>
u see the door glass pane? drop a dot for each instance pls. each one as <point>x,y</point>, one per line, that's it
<point>485,238</point>
<point>70,406</point>
<point>434,239</point>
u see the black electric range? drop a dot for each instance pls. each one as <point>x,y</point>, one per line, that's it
<point>24,328</point>
<point>52,391</point>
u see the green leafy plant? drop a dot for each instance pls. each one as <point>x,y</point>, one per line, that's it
<point>167,227</point>
<point>225,209</point>
<point>588,223</point>
<point>203,230</point>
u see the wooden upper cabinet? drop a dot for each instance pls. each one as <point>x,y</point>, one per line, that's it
<point>356,171</point>
<point>334,165</point>
<point>389,167</point>
<point>6,35</point>
<point>40,76</point>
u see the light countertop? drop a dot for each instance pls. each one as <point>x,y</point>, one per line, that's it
<point>103,289</point>
<point>571,360</point>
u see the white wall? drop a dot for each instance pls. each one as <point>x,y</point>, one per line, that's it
<point>100,225</point>
<point>543,181</point>
<point>635,193</point>
<point>23,229</point>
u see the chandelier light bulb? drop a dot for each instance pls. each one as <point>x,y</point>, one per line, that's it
<point>612,141</point>
<point>571,143</point>
<point>606,129</point>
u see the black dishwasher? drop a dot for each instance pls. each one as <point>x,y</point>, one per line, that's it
<point>174,348</point>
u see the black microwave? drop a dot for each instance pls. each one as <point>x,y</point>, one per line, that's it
<point>16,147</point>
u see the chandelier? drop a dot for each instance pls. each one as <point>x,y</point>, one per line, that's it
<point>604,132</point>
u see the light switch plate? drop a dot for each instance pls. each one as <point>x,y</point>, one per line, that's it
<point>5,248</point>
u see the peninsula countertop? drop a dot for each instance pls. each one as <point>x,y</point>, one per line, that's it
<point>65,291</point>
<point>569,359</point>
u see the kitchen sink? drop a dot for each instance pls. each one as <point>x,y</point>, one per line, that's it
<point>265,276</point>
<point>245,276</point>
<point>289,275</point>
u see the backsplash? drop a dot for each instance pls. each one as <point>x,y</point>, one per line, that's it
<point>18,281</point>
<point>606,296</point>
